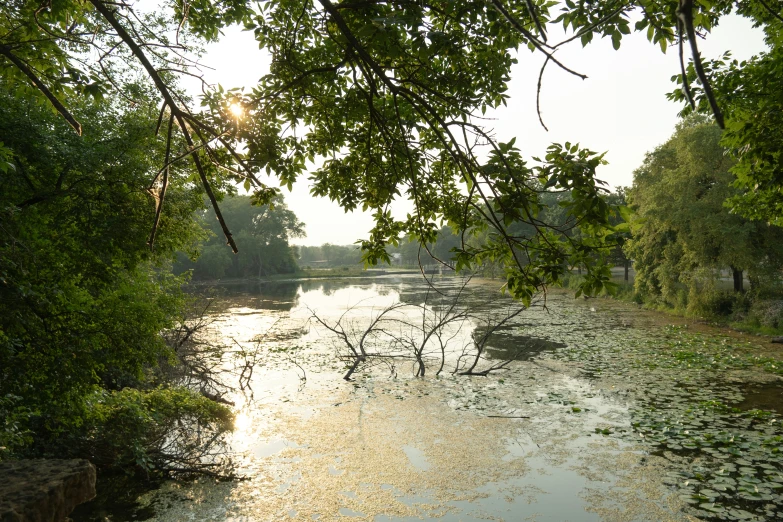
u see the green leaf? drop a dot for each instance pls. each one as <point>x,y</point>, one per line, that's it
<point>616,37</point>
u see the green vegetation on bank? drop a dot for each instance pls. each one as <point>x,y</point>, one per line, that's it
<point>692,253</point>
<point>685,240</point>
<point>685,233</point>
<point>749,311</point>
<point>83,299</point>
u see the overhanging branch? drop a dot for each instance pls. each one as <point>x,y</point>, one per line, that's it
<point>41,86</point>
<point>685,14</point>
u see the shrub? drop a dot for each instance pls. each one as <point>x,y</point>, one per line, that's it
<point>766,312</point>
<point>13,419</point>
<point>159,431</point>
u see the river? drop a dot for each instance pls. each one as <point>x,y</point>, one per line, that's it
<point>607,413</point>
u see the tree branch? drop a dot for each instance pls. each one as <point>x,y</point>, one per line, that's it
<point>538,94</point>
<point>6,51</point>
<point>527,34</point>
<point>162,194</point>
<point>685,85</point>
<point>771,11</point>
<point>685,13</point>
<point>531,8</point>
<point>168,97</point>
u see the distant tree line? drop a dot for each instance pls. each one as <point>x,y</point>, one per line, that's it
<point>445,250</point>
<point>329,255</point>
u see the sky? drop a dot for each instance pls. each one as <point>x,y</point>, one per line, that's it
<point>620,109</point>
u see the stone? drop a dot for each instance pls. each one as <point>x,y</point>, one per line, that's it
<point>43,490</point>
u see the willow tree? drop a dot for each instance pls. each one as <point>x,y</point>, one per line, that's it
<point>686,235</point>
<point>386,97</point>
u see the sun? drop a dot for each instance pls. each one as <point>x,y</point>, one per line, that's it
<point>242,422</point>
<point>236,109</point>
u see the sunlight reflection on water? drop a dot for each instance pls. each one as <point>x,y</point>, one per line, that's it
<point>521,445</point>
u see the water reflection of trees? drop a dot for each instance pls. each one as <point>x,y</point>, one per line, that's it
<point>474,296</point>
<point>325,286</point>
<point>280,296</point>
<point>329,286</point>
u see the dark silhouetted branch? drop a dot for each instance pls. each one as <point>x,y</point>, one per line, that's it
<point>685,85</point>
<point>41,86</point>
<point>685,14</point>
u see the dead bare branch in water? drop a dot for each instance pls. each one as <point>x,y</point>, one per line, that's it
<point>426,334</point>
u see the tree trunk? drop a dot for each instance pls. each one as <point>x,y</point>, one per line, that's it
<point>737,279</point>
<point>352,369</point>
<point>627,266</point>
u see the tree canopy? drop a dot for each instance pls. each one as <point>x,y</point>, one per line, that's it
<point>384,100</point>
<point>751,105</point>
<point>685,234</point>
<point>83,301</point>
<point>264,231</point>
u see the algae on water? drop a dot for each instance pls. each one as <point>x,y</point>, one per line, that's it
<point>613,417</point>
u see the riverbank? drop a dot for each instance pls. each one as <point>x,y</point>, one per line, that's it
<point>746,312</point>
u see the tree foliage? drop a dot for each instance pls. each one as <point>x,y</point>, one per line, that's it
<point>686,235</point>
<point>329,255</point>
<point>83,300</point>
<point>386,98</point>
<point>380,101</point>
<point>264,231</point>
<point>752,106</point>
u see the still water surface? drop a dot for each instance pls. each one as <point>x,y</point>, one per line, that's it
<point>605,415</point>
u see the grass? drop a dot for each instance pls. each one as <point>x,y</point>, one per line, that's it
<point>741,320</point>
<point>754,328</point>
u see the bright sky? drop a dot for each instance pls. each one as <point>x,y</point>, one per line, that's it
<point>621,108</point>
